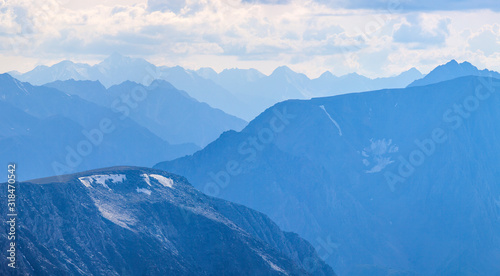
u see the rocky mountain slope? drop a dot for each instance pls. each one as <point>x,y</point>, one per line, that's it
<point>403,181</point>
<point>139,221</point>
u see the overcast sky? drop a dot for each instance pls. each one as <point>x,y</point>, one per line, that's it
<point>370,37</point>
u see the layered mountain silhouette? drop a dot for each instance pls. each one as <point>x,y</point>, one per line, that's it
<point>244,93</point>
<point>205,90</point>
<point>138,221</point>
<point>117,69</point>
<point>48,132</point>
<point>113,70</point>
<point>328,84</point>
<point>403,181</point>
<point>169,113</point>
<point>260,92</point>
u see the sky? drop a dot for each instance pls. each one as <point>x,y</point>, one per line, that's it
<point>375,38</point>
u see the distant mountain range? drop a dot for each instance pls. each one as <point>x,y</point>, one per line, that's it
<point>403,181</point>
<point>51,132</point>
<point>244,93</point>
<point>117,69</point>
<point>300,86</point>
<point>138,221</point>
<point>169,113</point>
<point>113,70</point>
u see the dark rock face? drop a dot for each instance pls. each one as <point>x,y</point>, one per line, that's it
<point>402,181</point>
<point>137,221</point>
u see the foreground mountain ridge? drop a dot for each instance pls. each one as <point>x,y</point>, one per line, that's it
<point>140,221</point>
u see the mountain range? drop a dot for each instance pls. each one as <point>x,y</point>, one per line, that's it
<point>51,132</point>
<point>244,93</point>
<point>386,182</point>
<point>403,181</point>
<point>169,113</point>
<point>139,221</point>
<point>117,69</point>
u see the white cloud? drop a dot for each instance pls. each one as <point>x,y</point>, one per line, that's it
<point>420,33</point>
<point>173,5</point>
<point>487,41</point>
<point>309,36</point>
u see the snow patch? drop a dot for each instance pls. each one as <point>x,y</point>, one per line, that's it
<point>21,86</point>
<point>378,154</point>
<point>144,191</point>
<point>272,265</point>
<point>167,182</point>
<point>146,179</point>
<point>380,165</point>
<point>118,217</point>
<point>101,179</point>
<point>85,182</point>
<point>331,119</point>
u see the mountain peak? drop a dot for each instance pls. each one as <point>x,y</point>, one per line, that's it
<point>327,75</point>
<point>12,86</point>
<point>116,55</point>
<point>128,84</point>
<point>206,71</point>
<point>453,70</point>
<point>161,83</point>
<point>115,59</point>
<point>281,70</point>
<point>354,76</point>
<point>118,60</point>
<point>413,69</point>
<point>6,77</point>
<point>64,63</point>
<point>464,66</point>
<point>412,72</point>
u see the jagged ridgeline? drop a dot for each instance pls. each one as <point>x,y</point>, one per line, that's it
<point>138,221</point>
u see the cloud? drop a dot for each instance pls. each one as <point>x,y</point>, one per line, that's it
<point>314,36</point>
<point>414,32</point>
<point>314,32</point>
<point>170,5</point>
<point>272,2</point>
<point>404,6</point>
<point>487,41</point>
